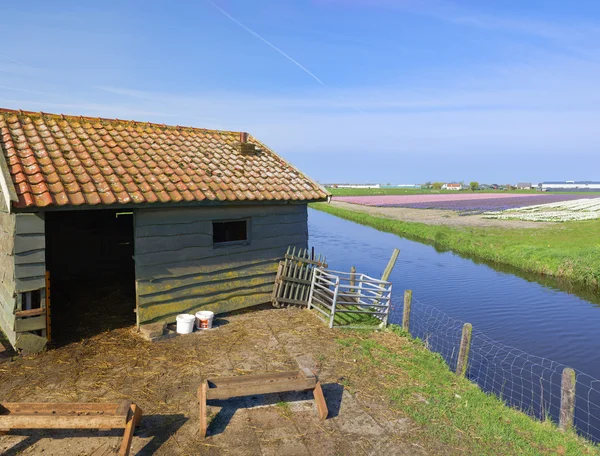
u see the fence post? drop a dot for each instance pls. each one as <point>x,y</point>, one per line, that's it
<point>463,352</point>
<point>352,279</point>
<point>388,269</point>
<point>406,314</point>
<point>567,399</point>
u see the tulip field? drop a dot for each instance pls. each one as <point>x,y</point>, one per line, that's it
<point>462,203</point>
<point>563,211</point>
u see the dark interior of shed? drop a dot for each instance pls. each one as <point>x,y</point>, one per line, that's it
<point>89,255</point>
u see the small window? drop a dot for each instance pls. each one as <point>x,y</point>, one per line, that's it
<point>31,299</point>
<point>226,232</point>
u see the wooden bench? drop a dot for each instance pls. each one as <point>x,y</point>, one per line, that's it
<point>42,415</point>
<point>248,385</point>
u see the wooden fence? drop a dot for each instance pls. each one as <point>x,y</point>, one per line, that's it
<point>294,277</point>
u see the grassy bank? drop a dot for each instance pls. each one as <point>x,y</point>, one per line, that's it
<point>569,250</point>
<point>444,406</point>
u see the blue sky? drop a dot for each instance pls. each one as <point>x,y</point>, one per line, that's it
<point>397,91</point>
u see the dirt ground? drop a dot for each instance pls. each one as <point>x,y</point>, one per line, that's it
<point>163,377</point>
<point>436,216</point>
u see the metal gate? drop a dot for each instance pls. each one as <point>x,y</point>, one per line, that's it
<point>350,300</point>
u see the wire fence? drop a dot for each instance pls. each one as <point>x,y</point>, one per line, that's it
<point>524,381</point>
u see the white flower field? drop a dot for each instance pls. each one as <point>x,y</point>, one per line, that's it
<point>564,211</point>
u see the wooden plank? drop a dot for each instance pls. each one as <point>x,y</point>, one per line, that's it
<point>135,416</point>
<point>279,219</point>
<point>23,271</point>
<point>29,283</point>
<point>195,253</point>
<point>305,260</point>
<point>27,244</point>
<point>274,230</point>
<point>61,421</point>
<point>31,312</point>
<point>30,324</point>
<point>202,227</point>
<point>123,409</point>
<point>60,408</point>
<point>29,224</point>
<point>254,388</point>
<point>31,257</point>
<point>225,302</point>
<point>166,285</point>
<point>170,216</point>
<point>241,379</point>
<point>209,273</point>
<point>277,284</point>
<point>202,396</point>
<point>291,301</point>
<point>173,241</point>
<point>320,402</point>
<point>207,266</point>
<point>202,291</point>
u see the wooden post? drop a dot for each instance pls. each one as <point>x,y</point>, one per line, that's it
<point>406,314</point>
<point>567,399</point>
<point>390,265</point>
<point>463,352</point>
<point>202,392</point>
<point>133,420</point>
<point>320,401</point>
<point>352,279</point>
<point>48,310</point>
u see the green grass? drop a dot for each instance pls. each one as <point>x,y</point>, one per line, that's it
<point>416,191</point>
<point>569,250</point>
<point>342,319</point>
<point>448,408</point>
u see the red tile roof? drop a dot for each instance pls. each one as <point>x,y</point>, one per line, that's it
<point>71,161</point>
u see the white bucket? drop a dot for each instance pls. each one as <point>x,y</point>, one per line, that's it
<point>204,319</point>
<point>185,323</point>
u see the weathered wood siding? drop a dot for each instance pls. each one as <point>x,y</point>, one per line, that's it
<point>30,252</point>
<point>179,270</point>
<point>8,297</point>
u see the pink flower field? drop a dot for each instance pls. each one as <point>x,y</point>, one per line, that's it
<point>394,200</point>
<point>463,203</point>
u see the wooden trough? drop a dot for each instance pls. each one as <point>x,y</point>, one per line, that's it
<point>42,415</point>
<point>248,385</point>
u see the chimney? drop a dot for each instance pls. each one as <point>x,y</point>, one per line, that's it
<point>245,147</point>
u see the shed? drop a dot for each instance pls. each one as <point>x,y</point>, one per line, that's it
<point>452,186</point>
<point>524,186</point>
<point>123,222</point>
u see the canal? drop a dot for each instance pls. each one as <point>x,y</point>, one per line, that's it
<point>530,313</point>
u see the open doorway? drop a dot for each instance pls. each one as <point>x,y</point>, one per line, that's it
<point>89,255</point>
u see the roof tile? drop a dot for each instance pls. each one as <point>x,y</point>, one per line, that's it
<point>66,160</point>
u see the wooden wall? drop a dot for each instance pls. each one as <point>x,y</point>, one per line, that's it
<point>22,263</point>
<point>178,270</point>
<point>30,252</point>
<point>8,299</point>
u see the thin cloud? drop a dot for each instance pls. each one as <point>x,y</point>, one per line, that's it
<point>268,43</point>
<point>10,59</point>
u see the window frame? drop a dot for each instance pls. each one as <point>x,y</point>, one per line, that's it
<point>219,245</point>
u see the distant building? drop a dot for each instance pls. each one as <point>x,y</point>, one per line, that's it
<point>524,186</point>
<point>452,186</point>
<point>569,186</point>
